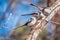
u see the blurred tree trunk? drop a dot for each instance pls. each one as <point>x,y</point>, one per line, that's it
<point>55,27</point>
<point>50,2</point>
<point>53,32</point>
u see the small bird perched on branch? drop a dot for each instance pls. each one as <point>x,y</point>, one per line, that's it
<point>35,16</point>
<point>32,20</point>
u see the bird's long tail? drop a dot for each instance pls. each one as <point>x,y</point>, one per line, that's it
<point>19,27</point>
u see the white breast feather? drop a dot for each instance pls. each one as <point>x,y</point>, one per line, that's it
<point>32,22</point>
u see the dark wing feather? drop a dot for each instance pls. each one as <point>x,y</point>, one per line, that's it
<point>27,22</point>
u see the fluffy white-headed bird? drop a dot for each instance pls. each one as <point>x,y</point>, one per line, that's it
<point>32,20</point>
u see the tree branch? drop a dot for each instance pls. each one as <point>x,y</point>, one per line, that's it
<point>41,24</point>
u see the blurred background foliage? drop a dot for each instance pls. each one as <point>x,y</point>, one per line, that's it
<point>20,33</point>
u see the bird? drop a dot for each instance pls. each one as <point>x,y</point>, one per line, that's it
<point>35,17</point>
<point>32,20</point>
